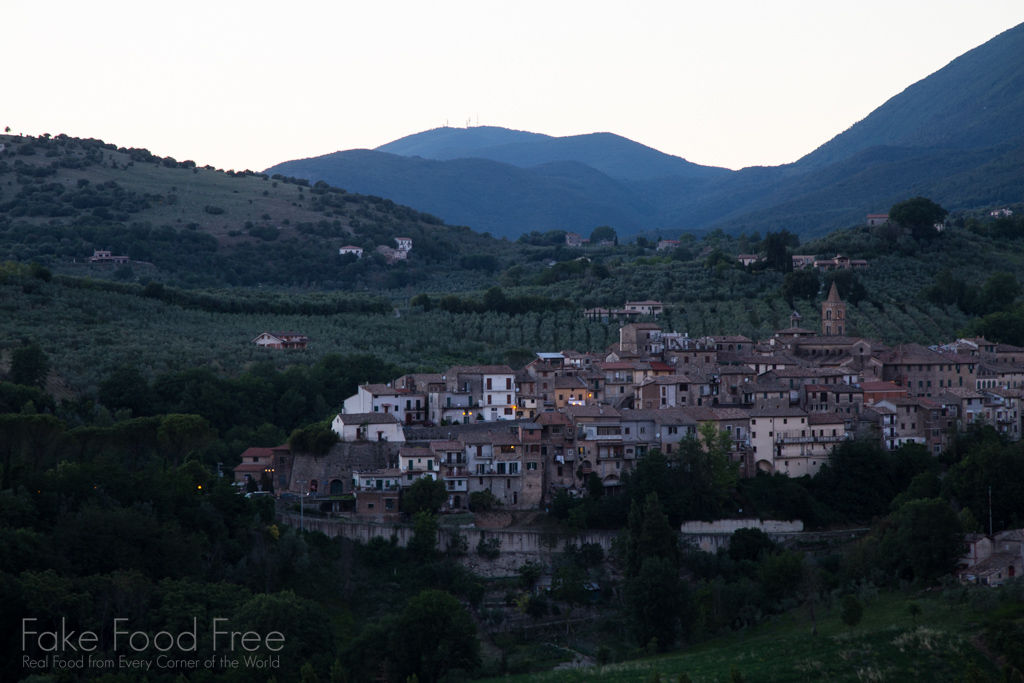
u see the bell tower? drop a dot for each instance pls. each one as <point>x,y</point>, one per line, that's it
<point>833,314</point>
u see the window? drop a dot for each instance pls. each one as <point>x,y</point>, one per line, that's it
<point>389,504</point>
<point>501,468</point>
<point>559,471</point>
<point>531,466</point>
<point>488,384</point>
<point>513,468</point>
<point>508,383</point>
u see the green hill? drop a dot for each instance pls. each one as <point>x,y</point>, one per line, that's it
<point>63,198</point>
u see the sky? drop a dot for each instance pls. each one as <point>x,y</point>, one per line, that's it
<point>238,85</point>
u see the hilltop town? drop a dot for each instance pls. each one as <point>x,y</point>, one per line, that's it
<point>567,416</point>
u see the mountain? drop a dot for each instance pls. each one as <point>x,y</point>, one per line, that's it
<point>613,155</point>
<point>974,102</point>
<point>954,136</point>
<point>456,143</point>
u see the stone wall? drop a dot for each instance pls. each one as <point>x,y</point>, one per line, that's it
<point>729,526</point>
<point>517,545</point>
<point>340,462</point>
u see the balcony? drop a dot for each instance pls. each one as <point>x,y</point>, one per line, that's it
<point>450,471</point>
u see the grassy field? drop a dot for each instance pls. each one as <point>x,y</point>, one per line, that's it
<point>886,646</point>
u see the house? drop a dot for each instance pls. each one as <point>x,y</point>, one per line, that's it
<point>392,255</point>
<point>648,307</point>
<point>407,406</point>
<point>839,262</point>
<point>874,219</point>
<point>775,440</point>
<point>801,261</point>
<point>667,245</point>
<point>281,340</point>
<point>994,562</point>
<point>495,463</point>
<point>450,458</point>
<point>1001,213</point>
<point>574,239</point>
<point>107,257</point>
<point>358,251</point>
<point>481,392</point>
<point>749,259</point>
<point>368,427</point>
<point>256,463</point>
<point>404,243</point>
<point>417,462</point>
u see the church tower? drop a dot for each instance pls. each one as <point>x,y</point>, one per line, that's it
<point>833,314</point>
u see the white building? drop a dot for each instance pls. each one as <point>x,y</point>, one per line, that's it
<point>406,406</point>
<point>368,427</point>
<point>358,251</point>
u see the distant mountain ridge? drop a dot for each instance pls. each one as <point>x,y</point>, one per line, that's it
<point>613,155</point>
<point>955,136</point>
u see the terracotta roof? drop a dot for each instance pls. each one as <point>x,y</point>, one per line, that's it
<point>251,467</point>
<point>446,445</point>
<point>493,438</point>
<point>674,416</point>
<point>367,418</point>
<point>731,413</point>
<point>881,386</point>
<point>479,370</point>
<point>962,393</point>
<point>777,412</point>
<point>591,411</point>
<point>413,451</point>
<point>257,453</point>
<point>382,389</point>
<point>825,418</point>
<point>552,419</point>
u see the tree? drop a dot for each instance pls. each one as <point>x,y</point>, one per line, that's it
<point>851,611</point>
<point>655,599</point>
<point>424,535</point>
<point>748,544</point>
<point>30,365</point>
<point>603,232</point>
<point>316,439</point>
<point>568,585</point>
<point>425,495</point>
<point>919,215</point>
<point>776,254</point>
<point>650,535</point>
<point>178,435</point>
<point>914,610</point>
<point>998,293</point>
<point>124,388</point>
<point>930,537</point>
<point>434,635</point>
<point>801,284</point>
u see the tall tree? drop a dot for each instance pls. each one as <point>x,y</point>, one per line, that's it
<point>30,365</point>
<point>919,215</point>
<point>178,435</point>
<point>434,635</point>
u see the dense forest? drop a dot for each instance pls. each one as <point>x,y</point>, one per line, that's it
<point>114,509</point>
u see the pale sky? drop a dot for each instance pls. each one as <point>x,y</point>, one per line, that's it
<point>250,84</point>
